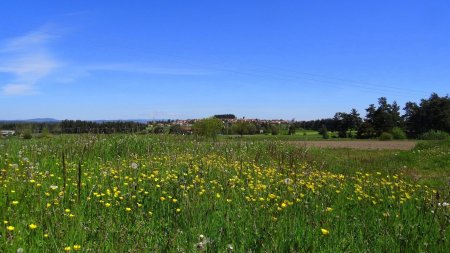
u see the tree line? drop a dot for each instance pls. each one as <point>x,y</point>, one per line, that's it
<point>383,120</point>
<point>380,120</point>
<point>75,126</point>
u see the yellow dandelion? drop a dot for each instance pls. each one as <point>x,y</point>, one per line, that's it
<point>178,210</point>
<point>32,226</point>
<point>67,210</point>
<point>68,248</point>
<point>107,204</point>
<point>15,202</point>
<point>128,209</point>
<point>162,198</point>
<point>329,209</point>
<point>324,231</point>
<point>10,228</point>
<point>76,247</point>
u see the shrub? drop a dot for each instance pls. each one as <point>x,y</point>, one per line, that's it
<point>398,133</point>
<point>385,137</point>
<point>27,135</point>
<point>324,132</point>
<point>434,135</point>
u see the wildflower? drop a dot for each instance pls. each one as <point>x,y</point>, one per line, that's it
<point>67,210</point>
<point>324,231</point>
<point>68,248</point>
<point>329,209</point>
<point>107,204</point>
<point>178,210</point>
<point>128,209</point>
<point>134,166</point>
<point>15,202</point>
<point>45,235</point>
<point>32,226</point>
<point>162,198</point>
<point>10,228</point>
<point>230,248</point>
<point>76,247</point>
<point>200,246</point>
<point>19,250</point>
<point>53,187</point>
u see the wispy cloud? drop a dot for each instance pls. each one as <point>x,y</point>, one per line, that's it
<point>144,69</point>
<point>27,60</point>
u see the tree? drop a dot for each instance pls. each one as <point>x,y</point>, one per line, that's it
<point>242,127</point>
<point>432,114</point>
<point>291,129</point>
<point>380,119</point>
<point>208,127</point>
<point>324,132</point>
<point>274,129</point>
<point>175,129</point>
<point>345,122</point>
<point>225,116</point>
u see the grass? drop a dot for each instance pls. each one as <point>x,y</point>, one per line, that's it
<point>303,135</point>
<point>129,193</point>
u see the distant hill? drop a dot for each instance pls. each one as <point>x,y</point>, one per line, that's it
<point>36,120</point>
<point>52,120</point>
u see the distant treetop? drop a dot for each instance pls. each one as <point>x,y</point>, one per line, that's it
<point>225,116</point>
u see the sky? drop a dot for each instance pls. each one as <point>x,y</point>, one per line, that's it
<point>182,59</point>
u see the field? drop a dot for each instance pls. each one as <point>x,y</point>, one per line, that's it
<point>366,144</point>
<point>144,193</point>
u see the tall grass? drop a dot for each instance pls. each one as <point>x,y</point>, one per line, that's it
<point>127,193</point>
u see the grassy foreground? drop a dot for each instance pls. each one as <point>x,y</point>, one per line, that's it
<point>125,193</point>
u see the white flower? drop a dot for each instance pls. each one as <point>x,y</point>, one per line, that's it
<point>134,165</point>
<point>200,246</point>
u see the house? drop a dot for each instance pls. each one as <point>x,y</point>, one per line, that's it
<point>7,132</point>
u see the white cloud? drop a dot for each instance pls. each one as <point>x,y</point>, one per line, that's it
<point>144,69</point>
<point>18,89</point>
<point>27,59</point>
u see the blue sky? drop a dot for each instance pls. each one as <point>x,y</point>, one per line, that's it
<point>193,59</point>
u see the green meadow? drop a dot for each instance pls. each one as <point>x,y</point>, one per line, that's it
<point>147,193</point>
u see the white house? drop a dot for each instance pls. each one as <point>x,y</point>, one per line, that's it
<point>7,132</point>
